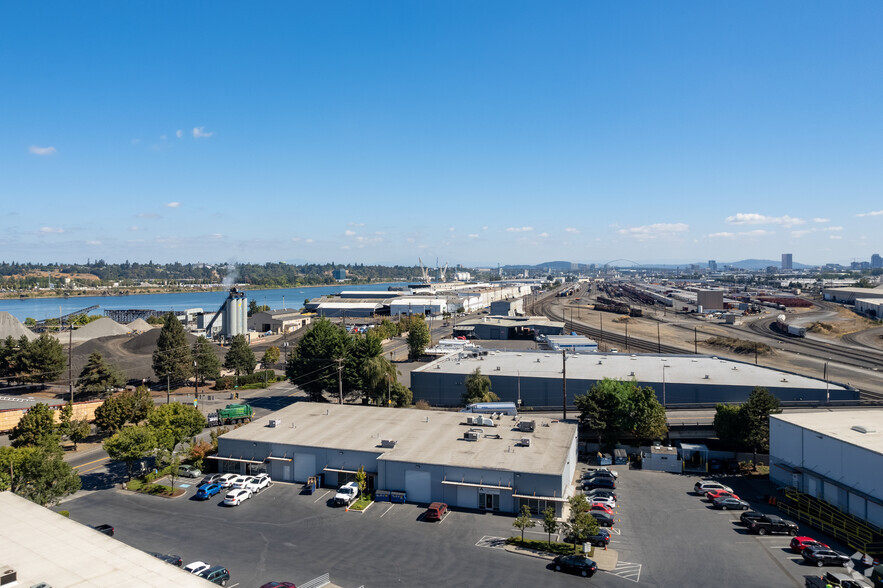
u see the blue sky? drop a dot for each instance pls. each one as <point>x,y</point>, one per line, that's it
<point>471,132</point>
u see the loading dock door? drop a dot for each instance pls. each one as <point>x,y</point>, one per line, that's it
<point>417,485</point>
<point>304,466</point>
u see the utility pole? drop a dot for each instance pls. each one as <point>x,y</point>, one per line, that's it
<point>564,383</point>
<point>601,338</point>
<point>695,342</point>
<point>196,378</point>
<point>827,389</point>
<point>626,337</point>
<point>340,381</point>
<point>658,340</point>
<point>70,346</point>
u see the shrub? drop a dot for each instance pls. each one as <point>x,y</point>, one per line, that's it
<point>65,513</point>
<point>422,405</point>
<point>556,548</point>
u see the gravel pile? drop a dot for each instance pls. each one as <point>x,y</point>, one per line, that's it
<point>139,326</point>
<point>103,327</point>
<point>11,327</point>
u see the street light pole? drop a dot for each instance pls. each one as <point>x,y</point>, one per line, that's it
<point>196,378</point>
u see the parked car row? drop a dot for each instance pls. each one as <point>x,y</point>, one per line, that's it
<point>241,488</point>
<point>214,574</point>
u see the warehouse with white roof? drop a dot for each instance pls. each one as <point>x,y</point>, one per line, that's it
<point>835,456</point>
<point>428,455</point>
<point>535,378</point>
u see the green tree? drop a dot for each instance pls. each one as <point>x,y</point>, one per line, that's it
<point>252,307</point>
<point>358,352</point>
<point>172,355</point>
<point>171,460</point>
<point>379,376</point>
<point>729,424</point>
<point>362,480</point>
<point>550,523</point>
<point>271,357</point>
<point>78,431</point>
<point>131,444</point>
<point>313,364</point>
<point>418,337</point>
<point>761,404</point>
<point>124,407</point>
<point>645,416</point>
<point>478,388</point>
<point>208,365</point>
<point>524,521</point>
<point>240,358</point>
<point>36,428</point>
<point>97,377</point>
<point>400,395</point>
<point>45,358</point>
<point>172,423</point>
<point>582,524</point>
<point>39,474</point>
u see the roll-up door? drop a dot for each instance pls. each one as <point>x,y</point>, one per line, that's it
<point>417,485</point>
<point>304,466</point>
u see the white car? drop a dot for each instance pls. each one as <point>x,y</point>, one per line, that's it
<point>257,484</point>
<point>702,487</point>
<point>346,494</point>
<point>241,482</point>
<point>196,567</point>
<point>265,475</point>
<point>236,497</point>
<point>608,502</point>
<point>613,472</point>
<point>226,480</point>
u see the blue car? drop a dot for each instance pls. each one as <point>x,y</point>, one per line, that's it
<point>206,491</point>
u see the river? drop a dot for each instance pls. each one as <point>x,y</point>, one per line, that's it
<point>42,308</point>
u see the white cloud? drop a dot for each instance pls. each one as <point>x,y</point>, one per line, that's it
<point>162,137</point>
<point>473,235</point>
<point>172,204</point>
<point>216,236</point>
<point>571,230</point>
<point>655,230</point>
<point>135,141</point>
<point>804,232</point>
<point>356,224</point>
<point>344,246</point>
<point>308,240</point>
<point>452,229</point>
<point>133,228</point>
<point>51,230</point>
<point>201,133</point>
<point>872,213</point>
<point>821,220</point>
<point>349,233</point>
<point>147,215</point>
<point>835,236</point>
<point>728,235</point>
<point>484,228</point>
<point>93,242</point>
<point>42,150</point>
<point>179,133</point>
<point>519,229</point>
<point>752,218</point>
<point>543,235</point>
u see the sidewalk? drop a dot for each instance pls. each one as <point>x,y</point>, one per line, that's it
<point>606,559</point>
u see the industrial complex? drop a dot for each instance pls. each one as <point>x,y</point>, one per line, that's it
<point>535,378</point>
<point>427,455</point>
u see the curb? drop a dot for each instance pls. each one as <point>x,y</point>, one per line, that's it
<point>528,552</point>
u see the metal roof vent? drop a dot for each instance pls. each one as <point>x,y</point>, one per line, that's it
<point>863,429</point>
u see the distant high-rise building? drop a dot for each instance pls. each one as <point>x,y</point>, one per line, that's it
<point>786,261</point>
<point>876,261</point>
<point>339,274</point>
<point>712,265</point>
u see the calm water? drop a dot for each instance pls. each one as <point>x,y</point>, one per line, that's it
<point>209,301</point>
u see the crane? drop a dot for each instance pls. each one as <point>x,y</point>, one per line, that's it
<point>444,273</point>
<point>423,271</point>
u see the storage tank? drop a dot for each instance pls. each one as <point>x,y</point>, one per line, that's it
<point>235,314</point>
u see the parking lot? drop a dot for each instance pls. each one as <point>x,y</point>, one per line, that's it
<point>664,535</point>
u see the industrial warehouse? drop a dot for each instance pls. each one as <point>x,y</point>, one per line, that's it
<point>427,455</point>
<point>534,378</point>
<point>832,464</point>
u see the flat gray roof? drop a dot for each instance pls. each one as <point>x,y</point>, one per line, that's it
<point>422,436</point>
<point>44,546</point>
<point>680,369</point>
<point>502,321</point>
<point>838,425</point>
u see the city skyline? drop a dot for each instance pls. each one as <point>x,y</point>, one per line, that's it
<point>508,133</point>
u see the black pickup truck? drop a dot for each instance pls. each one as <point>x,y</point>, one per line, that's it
<point>772,524</point>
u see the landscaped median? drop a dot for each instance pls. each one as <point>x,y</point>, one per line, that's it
<point>606,559</point>
<point>145,485</point>
<point>362,504</point>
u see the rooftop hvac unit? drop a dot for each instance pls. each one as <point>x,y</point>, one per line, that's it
<point>275,422</point>
<point>527,426</point>
<point>471,436</point>
<point>388,443</point>
<point>525,441</point>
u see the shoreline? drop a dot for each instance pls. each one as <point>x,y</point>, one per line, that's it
<point>117,293</point>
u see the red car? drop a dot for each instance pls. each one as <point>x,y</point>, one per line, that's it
<point>602,507</point>
<point>714,494</point>
<point>798,544</point>
<point>278,585</point>
<point>436,511</point>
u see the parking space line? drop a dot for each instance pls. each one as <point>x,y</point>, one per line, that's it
<point>491,542</point>
<point>387,510</point>
<point>627,570</point>
<point>323,496</point>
